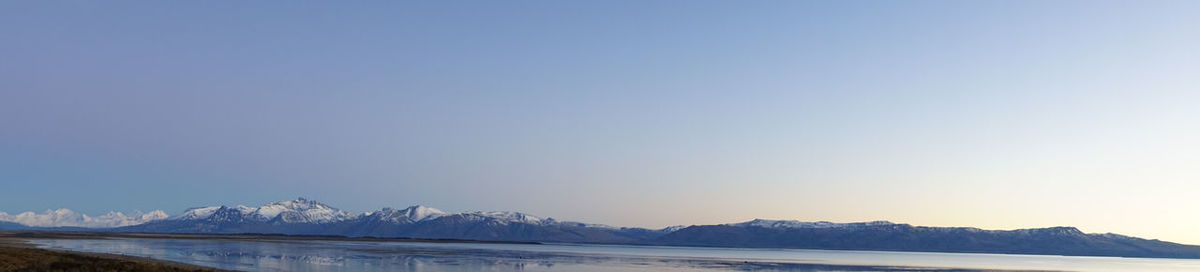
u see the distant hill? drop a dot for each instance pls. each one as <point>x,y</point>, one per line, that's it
<point>903,237</point>
<point>12,226</point>
<point>306,217</point>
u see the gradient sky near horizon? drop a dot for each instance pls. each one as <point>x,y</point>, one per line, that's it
<point>991,114</point>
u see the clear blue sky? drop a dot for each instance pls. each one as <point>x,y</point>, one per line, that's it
<point>994,114</point>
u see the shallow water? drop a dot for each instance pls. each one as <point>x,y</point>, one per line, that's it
<point>409,256</point>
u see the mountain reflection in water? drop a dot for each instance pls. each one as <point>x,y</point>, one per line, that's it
<point>406,256</point>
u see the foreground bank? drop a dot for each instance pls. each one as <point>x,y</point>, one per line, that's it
<point>17,255</point>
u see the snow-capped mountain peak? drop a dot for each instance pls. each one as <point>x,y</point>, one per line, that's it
<point>302,211</point>
<point>422,213</point>
<point>197,213</point>
<point>291,211</point>
<point>273,209</point>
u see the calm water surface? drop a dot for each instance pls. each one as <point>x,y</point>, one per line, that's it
<point>407,256</point>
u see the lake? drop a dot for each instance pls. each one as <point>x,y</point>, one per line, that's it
<point>415,256</point>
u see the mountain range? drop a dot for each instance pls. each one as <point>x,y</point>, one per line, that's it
<point>307,217</point>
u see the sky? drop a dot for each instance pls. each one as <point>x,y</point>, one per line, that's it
<point>990,114</point>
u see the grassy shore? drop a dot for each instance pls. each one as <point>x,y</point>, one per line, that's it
<point>16,255</point>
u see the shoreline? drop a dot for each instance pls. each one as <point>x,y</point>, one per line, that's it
<point>16,254</point>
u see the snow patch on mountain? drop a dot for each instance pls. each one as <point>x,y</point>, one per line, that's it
<point>508,217</point>
<point>69,218</point>
<point>411,214</point>
<point>672,228</point>
<point>765,223</point>
<point>588,225</point>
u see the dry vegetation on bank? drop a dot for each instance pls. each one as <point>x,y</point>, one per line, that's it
<point>16,255</point>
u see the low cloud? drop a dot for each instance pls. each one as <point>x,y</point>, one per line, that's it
<point>69,218</point>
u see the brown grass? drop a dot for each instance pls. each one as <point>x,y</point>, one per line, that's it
<point>15,255</point>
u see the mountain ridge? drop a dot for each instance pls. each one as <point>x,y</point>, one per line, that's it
<point>306,217</point>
